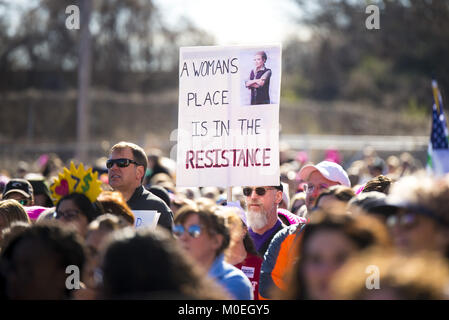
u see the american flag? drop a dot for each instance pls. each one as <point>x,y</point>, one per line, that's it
<point>438,151</point>
<point>439,138</point>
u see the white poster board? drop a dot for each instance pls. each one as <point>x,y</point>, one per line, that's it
<point>146,218</point>
<point>228,122</point>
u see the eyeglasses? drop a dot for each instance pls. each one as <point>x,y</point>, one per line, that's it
<point>406,221</point>
<point>309,188</point>
<point>69,215</point>
<point>260,191</point>
<point>121,163</point>
<point>194,230</point>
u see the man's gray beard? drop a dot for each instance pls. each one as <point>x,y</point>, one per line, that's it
<point>256,220</point>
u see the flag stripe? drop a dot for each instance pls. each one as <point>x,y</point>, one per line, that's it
<point>439,137</point>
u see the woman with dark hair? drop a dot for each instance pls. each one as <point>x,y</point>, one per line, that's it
<point>35,262</point>
<point>76,209</point>
<point>148,264</point>
<point>327,242</point>
<point>203,234</point>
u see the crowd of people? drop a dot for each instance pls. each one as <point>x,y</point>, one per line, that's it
<point>378,229</point>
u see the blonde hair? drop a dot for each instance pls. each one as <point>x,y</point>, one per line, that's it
<point>235,226</point>
<point>113,202</point>
<point>12,211</point>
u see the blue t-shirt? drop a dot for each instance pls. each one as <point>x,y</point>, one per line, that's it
<point>232,279</point>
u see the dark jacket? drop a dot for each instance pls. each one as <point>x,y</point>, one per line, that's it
<point>261,95</point>
<point>142,199</point>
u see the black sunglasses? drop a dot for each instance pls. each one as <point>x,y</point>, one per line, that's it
<point>121,163</point>
<point>194,230</point>
<point>260,191</point>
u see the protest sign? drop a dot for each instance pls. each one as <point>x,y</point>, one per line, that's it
<point>228,122</point>
<point>146,218</point>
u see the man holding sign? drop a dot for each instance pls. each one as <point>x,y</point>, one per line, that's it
<point>127,165</point>
<point>262,217</point>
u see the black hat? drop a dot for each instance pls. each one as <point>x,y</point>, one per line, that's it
<point>160,192</point>
<point>395,203</point>
<point>20,186</point>
<point>40,187</point>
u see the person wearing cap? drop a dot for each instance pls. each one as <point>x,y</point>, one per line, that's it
<point>262,216</point>
<point>322,176</point>
<point>41,192</point>
<point>420,221</point>
<point>20,190</point>
<point>127,165</point>
<point>281,252</point>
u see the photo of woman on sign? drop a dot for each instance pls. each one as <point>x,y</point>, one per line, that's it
<point>259,80</point>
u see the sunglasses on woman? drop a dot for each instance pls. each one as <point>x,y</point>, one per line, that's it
<point>260,191</point>
<point>194,230</point>
<point>406,221</point>
<point>121,163</point>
